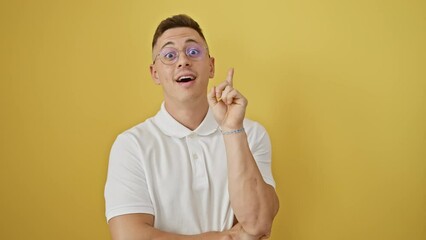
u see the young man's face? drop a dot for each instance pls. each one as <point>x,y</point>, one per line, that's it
<point>182,65</point>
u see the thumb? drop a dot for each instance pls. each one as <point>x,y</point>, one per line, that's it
<point>211,97</point>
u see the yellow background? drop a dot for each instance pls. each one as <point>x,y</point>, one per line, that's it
<point>340,86</point>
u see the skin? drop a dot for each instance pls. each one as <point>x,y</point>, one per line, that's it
<point>186,102</point>
<point>254,202</point>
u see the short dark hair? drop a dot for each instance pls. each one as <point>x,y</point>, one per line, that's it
<point>176,21</point>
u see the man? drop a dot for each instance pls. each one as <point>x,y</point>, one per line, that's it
<point>198,169</point>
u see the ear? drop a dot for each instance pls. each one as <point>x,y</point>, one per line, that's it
<point>154,74</point>
<point>211,72</point>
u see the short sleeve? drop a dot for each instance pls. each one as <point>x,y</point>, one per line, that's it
<point>126,190</point>
<point>260,146</point>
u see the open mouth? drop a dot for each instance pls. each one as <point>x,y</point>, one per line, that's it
<point>184,79</point>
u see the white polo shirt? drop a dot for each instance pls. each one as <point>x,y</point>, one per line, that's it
<point>162,168</point>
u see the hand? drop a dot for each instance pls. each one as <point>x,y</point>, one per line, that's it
<point>228,105</point>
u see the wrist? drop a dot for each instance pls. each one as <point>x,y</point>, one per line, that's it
<point>231,127</point>
<point>233,131</point>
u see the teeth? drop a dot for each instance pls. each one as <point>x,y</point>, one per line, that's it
<point>185,77</point>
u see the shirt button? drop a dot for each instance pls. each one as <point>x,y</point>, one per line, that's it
<point>194,156</point>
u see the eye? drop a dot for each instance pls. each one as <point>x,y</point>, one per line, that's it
<point>169,55</point>
<point>193,52</point>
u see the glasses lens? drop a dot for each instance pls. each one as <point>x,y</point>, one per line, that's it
<point>195,51</point>
<point>168,55</point>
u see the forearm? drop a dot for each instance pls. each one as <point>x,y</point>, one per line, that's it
<point>135,227</point>
<point>151,233</point>
<point>254,202</point>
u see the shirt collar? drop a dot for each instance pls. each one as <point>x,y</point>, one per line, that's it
<point>173,128</point>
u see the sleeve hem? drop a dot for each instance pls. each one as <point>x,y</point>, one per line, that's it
<point>128,210</point>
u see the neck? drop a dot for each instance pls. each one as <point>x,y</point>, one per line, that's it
<point>189,114</point>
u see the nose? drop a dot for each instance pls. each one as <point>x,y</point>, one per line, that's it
<point>183,60</point>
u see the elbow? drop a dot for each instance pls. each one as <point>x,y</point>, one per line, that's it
<point>257,227</point>
<point>259,230</point>
<point>261,224</point>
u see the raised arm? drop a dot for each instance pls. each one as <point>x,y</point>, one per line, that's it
<point>254,202</point>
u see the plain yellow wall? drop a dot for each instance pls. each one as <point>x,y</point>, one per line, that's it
<point>340,86</point>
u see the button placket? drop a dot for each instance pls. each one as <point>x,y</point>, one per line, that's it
<point>198,164</point>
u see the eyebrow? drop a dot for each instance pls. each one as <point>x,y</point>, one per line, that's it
<point>172,43</point>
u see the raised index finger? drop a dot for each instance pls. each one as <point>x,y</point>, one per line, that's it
<point>230,77</point>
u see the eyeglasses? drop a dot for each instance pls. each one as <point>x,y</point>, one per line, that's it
<point>170,55</point>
